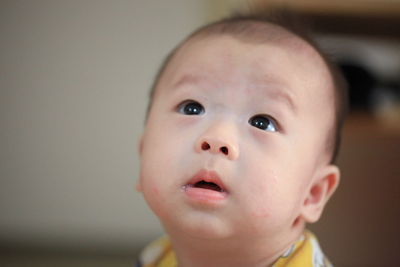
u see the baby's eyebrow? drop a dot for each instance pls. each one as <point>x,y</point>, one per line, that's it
<point>282,95</point>
<point>276,88</point>
<point>188,79</point>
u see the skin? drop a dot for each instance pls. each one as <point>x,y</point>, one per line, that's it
<point>275,181</point>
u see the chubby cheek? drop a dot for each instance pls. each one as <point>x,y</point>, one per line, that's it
<point>152,192</point>
<point>153,169</point>
<point>160,170</point>
<point>261,196</point>
<point>271,198</point>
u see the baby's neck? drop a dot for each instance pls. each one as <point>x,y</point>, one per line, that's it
<point>192,252</point>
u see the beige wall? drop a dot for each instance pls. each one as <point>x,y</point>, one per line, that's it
<point>74,78</point>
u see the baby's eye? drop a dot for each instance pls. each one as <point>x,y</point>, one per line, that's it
<point>191,107</point>
<point>264,123</point>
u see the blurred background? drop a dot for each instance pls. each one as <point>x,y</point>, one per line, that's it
<point>74,82</point>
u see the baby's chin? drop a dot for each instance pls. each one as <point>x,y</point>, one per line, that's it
<point>212,229</point>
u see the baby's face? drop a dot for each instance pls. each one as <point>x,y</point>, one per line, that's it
<point>234,137</point>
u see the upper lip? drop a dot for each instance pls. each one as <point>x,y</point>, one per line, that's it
<point>208,176</point>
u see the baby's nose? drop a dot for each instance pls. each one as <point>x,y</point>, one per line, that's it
<point>217,145</point>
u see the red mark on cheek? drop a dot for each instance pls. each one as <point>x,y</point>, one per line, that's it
<point>155,190</point>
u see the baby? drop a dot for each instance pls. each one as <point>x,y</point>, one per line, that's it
<point>239,145</point>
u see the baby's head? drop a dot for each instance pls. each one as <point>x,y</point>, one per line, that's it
<point>241,134</point>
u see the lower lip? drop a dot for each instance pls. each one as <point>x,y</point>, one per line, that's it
<point>205,196</point>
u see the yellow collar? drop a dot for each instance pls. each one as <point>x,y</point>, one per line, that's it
<point>306,252</point>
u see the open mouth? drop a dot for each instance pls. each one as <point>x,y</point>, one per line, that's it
<point>208,185</point>
<point>208,180</point>
<point>206,188</point>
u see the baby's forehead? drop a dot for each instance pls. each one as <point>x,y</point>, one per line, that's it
<point>268,35</point>
<point>254,44</point>
<point>202,54</point>
<point>291,45</point>
<point>218,60</point>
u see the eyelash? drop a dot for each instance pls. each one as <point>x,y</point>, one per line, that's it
<point>264,123</point>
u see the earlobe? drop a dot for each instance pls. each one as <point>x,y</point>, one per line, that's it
<point>322,188</point>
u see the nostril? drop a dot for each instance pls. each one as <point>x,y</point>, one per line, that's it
<point>224,150</point>
<point>205,146</point>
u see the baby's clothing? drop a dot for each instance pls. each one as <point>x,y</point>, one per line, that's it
<point>305,252</point>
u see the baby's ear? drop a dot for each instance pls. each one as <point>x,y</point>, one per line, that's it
<point>323,186</point>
